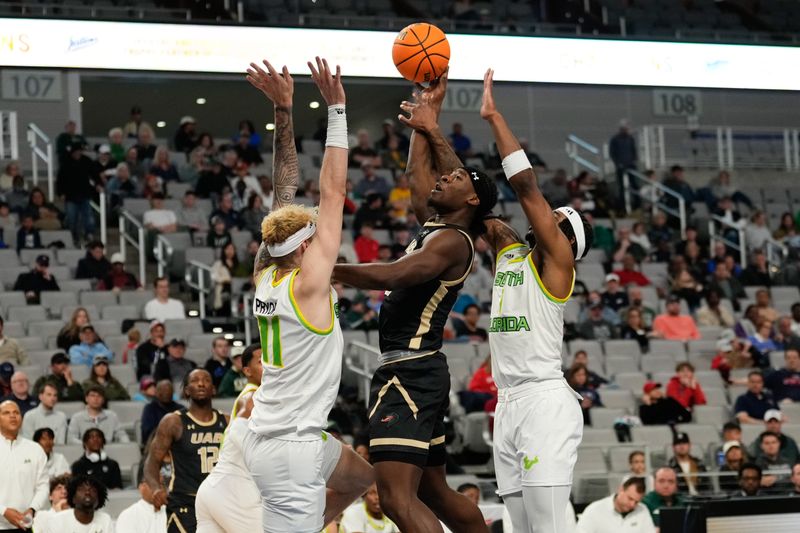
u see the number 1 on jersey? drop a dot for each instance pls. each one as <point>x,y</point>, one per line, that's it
<point>269,329</point>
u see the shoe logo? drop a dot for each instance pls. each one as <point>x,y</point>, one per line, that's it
<point>390,419</point>
<point>528,463</point>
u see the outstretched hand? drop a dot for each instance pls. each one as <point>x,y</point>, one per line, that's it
<point>330,85</point>
<point>424,110</point>
<point>488,108</point>
<point>278,87</point>
<point>434,93</point>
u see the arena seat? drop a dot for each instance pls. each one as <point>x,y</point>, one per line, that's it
<point>632,381</point>
<point>119,500</point>
<point>91,310</point>
<point>27,256</point>
<point>622,347</point>
<point>594,349</point>
<point>184,328</point>
<point>44,329</point>
<point>75,285</point>
<point>715,415</point>
<point>11,299</point>
<point>655,436</point>
<point>8,257</point>
<point>56,300</point>
<point>703,347</point>
<point>652,364</point>
<point>676,349</point>
<point>26,314</point>
<point>70,256</point>
<point>12,329</point>
<point>709,379</point>
<point>137,298</point>
<point>31,343</point>
<point>118,313</point>
<point>617,365</point>
<point>9,274</point>
<point>99,299</point>
<point>715,396</point>
<point>603,417</point>
<point>620,399</point>
<point>53,236</point>
<point>599,436</point>
<point>701,434</point>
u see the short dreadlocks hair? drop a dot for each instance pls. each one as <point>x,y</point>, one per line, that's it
<point>77,481</point>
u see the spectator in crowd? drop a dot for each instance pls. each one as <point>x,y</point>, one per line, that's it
<point>677,182</point>
<point>471,491</point>
<point>756,232</point>
<point>57,498</point>
<point>137,169</point>
<point>795,310</point>
<point>94,265</point>
<point>636,302</point>
<point>664,494</point>
<point>400,198</point>
<point>637,464</point>
<point>785,382</point>
<point>625,245</point>
<point>372,211</point>
<point>122,185</point>
<point>390,132</point>
<point>17,197</point>
<point>247,153</point>
<point>367,516</point>
<point>786,228</point>
<point>37,280</point>
<point>147,390</point>
<point>712,313</point>
<point>162,405</point>
<point>613,297</point>
<point>371,183</point>
<point>659,230</point>
<point>638,236</point>
<point>674,326</point>
<point>730,288</point>
<point>100,376</point>
<point>228,214</point>
<point>478,285</point>
<point>70,333</point>
<point>115,144</point>
<point>49,219</point>
<point>23,490</point>
<point>629,274</point>
<point>186,135</point>
<point>555,189</point>
<point>770,458</point>
<point>363,151</point>
<point>578,378</point>
<point>57,464</point>
<point>595,326</point>
<point>785,338</point>
<point>219,236</point>
<point>595,380</point>
<point>20,393</point>
<point>731,354</point>
<point>162,167</point>
<point>10,172</point>
<point>104,165</point>
<point>750,479</point>
<point>235,379</point>
<point>45,415</point>
<point>36,203</point>
<point>481,389</point>
<point>145,148</point>
<point>765,309</point>
<point>175,366</point>
<point>189,216</point>
<point>622,510</point>
<point>243,185</point>
<point>746,326</point>
<point>89,349</point>
<point>10,349</point>
<point>635,329</point>
<point>365,245</point>
<point>67,139</point>
<point>131,128</point>
<point>162,307</point>
<point>253,215</point>
<point>220,362</point>
<point>60,376</point>
<point>142,516</point>
<point>762,341</point>
<point>151,350</point>
<point>213,180</point>
<point>85,494</point>
<point>461,144</point>
<point>466,327</point>
<point>687,466</point>
<point>28,237</point>
<point>684,388</point>
<point>117,278</point>
<point>733,457</point>
<point>773,423</point>
<point>757,272</point>
<point>95,416</point>
<point>223,271</point>
<point>157,219</point>
<point>77,186</point>
<point>751,406</point>
<point>683,283</point>
<point>656,408</point>
<point>6,371</point>
<point>622,150</point>
<point>795,480</point>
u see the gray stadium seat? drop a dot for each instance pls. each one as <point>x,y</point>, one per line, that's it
<point>27,256</point>
<point>715,415</point>
<point>616,365</point>
<point>664,347</point>
<point>703,347</point>
<point>658,363</point>
<point>715,396</point>
<point>592,348</point>
<point>31,343</point>
<point>603,417</point>
<point>241,239</point>
<point>13,329</point>
<point>622,347</point>
<point>74,285</point>
<point>632,381</point>
<point>458,350</point>
<point>26,314</point>
<point>790,293</point>
<point>70,408</point>
<point>618,458</point>
<point>8,257</point>
<point>9,274</point>
<point>620,399</point>
<point>184,327</point>
<point>652,435</point>
<point>199,341</point>
<point>125,374</point>
<point>137,298</point>
<point>119,500</point>
<point>107,327</point>
<point>99,299</point>
<point>119,313</point>
<point>62,235</point>
<point>198,355</point>
<point>136,206</point>
<point>701,434</point>
<point>40,358</point>
<point>709,379</point>
<point>599,436</point>
<point>55,300</point>
<point>11,299</point>
<point>777,359</point>
<point>476,425</point>
<point>591,460</point>
<point>70,256</point>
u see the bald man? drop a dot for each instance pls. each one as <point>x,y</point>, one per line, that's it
<point>664,493</point>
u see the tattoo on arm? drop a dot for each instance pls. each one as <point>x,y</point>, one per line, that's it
<point>285,168</point>
<point>444,157</point>
<point>263,259</point>
<point>166,434</point>
<point>499,234</point>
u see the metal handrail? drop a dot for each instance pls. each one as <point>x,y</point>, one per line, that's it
<point>740,246</point>
<point>11,133</point>
<point>46,155</point>
<point>101,208</point>
<point>163,252</point>
<point>656,192</point>
<point>360,367</point>
<point>776,251</point>
<point>125,238</point>
<point>573,146</point>
<point>192,267</point>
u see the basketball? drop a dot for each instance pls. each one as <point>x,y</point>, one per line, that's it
<point>421,52</point>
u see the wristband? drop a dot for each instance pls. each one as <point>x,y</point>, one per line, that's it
<point>337,127</point>
<point>515,162</point>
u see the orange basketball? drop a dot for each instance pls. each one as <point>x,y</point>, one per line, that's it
<point>421,52</point>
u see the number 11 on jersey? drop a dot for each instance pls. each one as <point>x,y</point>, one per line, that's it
<point>269,329</point>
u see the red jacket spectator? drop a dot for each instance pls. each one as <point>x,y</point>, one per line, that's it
<point>627,277</point>
<point>482,381</point>
<point>686,396</point>
<point>366,249</point>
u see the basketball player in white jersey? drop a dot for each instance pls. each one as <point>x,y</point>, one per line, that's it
<point>538,422</point>
<point>289,456</point>
<point>228,501</point>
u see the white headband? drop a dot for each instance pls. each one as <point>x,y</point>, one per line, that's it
<point>293,242</point>
<point>577,227</point>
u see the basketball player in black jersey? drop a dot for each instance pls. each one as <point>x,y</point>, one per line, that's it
<point>409,392</point>
<point>191,437</point>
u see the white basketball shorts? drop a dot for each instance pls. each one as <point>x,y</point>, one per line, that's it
<point>537,430</point>
<point>228,504</point>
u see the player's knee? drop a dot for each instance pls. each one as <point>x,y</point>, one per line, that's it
<point>395,502</point>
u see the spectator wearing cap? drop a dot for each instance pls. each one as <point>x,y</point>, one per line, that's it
<point>731,354</point>
<point>770,458</point>
<point>186,135</point>
<point>657,408</point>
<point>664,494</point>
<point>117,278</point>
<point>24,486</point>
<point>28,237</point>
<point>162,404</point>
<point>45,415</point>
<point>20,390</point>
<point>751,406</point>
<point>147,390</point>
<point>95,462</point>
<point>672,325</point>
<point>105,165</point>
<point>219,237</point>
<point>773,423</point>
<point>220,361</point>
<point>622,511</point>
<point>687,466</point>
<point>57,464</point>
<point>234,380</point>
<point>750,480</point>
<point>733,457</point>
<point>785,382</point>
<point>101,376</point>
<point>10,349</point>
<point>95,416</point>
<point>76,184</point>
<point>60,376</point>
<point>613,297</point>
<point>596,326</point>
<point>89,348</point>
<point>174,366</point>
<point>190,216</point>
<point>136,121</point>
<point>162,307</point>
<point>95,265</point>
<point>712,313</point>
<point>151,350</point>
<point>684,387</point>
<point>37,280</point>
<point>629,273</point>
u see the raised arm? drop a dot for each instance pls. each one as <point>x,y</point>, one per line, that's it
<point>549,238</point>
<point>313,281</point>
<point>499,234</point>
<point>168,431</point>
